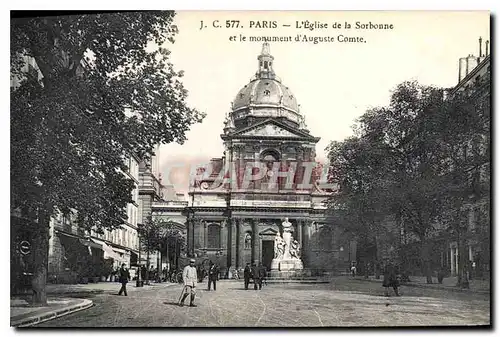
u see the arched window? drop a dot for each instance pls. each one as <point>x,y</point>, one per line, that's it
<point>213,236</point>
<point>265,64</point>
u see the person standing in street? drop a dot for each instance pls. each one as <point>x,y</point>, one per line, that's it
<point>190,278</point>
<point>390,279</point>
<point>353,270</point>
<point>124,275</point>
<point>260,276</point>
<point>212,275</point>
<point>247,274</point>
<point>255,276</point>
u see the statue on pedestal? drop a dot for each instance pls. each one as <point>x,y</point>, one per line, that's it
<point>295,249</point>
<point>286,251</point>
<point>287,236</point>
<point>279,246</point>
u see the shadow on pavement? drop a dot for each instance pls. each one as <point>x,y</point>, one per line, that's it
<point>171,303</point>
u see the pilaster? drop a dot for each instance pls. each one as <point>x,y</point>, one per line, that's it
<point>255,241</point>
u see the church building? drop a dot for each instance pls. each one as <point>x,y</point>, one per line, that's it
<point>236,208</point>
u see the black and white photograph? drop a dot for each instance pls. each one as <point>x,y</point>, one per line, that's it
<point>250,169</point>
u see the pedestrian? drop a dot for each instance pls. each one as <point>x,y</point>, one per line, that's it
<point>255,276</point>
<point>190,278</point>
<point>143,272</point>
<point>390,279</point>
<point>247,274</point>
<point>212,276</point>
<point>264,274</point>
<point>353,270</point>
<point>259,276</point>
<point>124,276</point>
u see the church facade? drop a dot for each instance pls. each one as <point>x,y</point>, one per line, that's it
<point>237,203</point>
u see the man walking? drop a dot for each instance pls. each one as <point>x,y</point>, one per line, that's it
<point>247,274</point>
<point>124,278</point>
<point>212,276</point>
<point>255,276</point>
<point>259,276</point>
<point>190,279</point>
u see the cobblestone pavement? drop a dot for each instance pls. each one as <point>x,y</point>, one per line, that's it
<point>344,302</point>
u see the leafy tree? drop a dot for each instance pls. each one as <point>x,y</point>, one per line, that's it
<point>362,203</point>
<point>101,88</point>
<point>409,161</point>
<point>160,235</point>
<point>150,239</point>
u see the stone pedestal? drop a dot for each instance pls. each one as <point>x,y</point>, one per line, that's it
<point>286,264</point>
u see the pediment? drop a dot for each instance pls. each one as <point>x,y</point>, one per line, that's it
<point>269,231</point>
<point>270,130</point>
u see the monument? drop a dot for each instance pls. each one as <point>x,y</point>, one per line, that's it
<point>286,251</point>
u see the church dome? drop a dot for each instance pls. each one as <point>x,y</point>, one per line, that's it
<point>265,96</point>
<point>265,91</point>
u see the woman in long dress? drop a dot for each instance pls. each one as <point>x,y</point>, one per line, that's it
<point>390,279</point>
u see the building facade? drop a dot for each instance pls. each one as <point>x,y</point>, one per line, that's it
<point>475,73</point>
<point>237,203</point>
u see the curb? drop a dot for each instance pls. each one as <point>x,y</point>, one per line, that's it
<point>416,285</point>
<point>76,292</point>
<point>32,320</point>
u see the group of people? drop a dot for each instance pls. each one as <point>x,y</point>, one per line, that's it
<point>256,273</point>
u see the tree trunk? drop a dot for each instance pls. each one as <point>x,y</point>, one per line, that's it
<point>462,279</point>
<point>426,260</point>
<point>376,269</point>
<point>40,261</point>
<point>376,259</point>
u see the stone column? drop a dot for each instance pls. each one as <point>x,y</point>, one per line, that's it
<point>306,235</point>
<point>240,243</point>
<point>231,243</point>
<point>255,241</point>
<point>190,237</point>
<point>223,235</point>
<point>205,234</point>
<point>299,232</point>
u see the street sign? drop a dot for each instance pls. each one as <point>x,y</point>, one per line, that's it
<point>25,247</point>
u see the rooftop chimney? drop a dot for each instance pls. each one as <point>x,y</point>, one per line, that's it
<point>487,47</point>
<point>480,46</point>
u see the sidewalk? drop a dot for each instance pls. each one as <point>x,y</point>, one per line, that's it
<point>449,283</point>
<point>97,288</point>
<point>24,315</point>
<point>62,301</point>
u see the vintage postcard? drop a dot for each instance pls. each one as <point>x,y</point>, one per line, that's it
<point>250,169</point>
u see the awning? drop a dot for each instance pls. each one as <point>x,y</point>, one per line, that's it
<point>107,249</point>
<point>90,243</point>
<point>121,251</point>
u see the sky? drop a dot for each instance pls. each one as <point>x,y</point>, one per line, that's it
<point>334,82</point>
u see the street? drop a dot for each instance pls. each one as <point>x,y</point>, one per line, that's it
<point>344,302</point>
